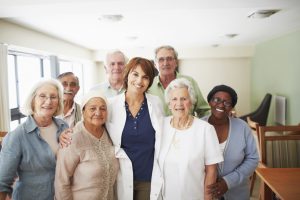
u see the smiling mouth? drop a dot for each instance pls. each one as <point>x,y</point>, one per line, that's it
<point>219,110</point>
<point>68,92</point>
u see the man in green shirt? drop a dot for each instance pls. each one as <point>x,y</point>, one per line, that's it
<point>166,61</point>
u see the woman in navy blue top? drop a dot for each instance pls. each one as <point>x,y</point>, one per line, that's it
<point>135,128</point>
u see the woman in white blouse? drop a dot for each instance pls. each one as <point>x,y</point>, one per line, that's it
<point>190,148</point>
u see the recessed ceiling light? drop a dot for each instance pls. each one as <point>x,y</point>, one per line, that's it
<point>132,38</point>
<point>111,18</point>
<point>262,14</point>
<point>231,35</point>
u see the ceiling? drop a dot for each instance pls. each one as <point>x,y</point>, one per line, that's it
<point>150,23</point>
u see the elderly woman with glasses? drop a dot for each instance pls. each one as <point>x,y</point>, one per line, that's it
<point>237,145</point>
<point>190,150</point>
<point>29,151</point>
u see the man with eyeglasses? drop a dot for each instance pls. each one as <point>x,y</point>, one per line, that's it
<point>166,61</point>
<point>114,66</point>
<point>72,112</point>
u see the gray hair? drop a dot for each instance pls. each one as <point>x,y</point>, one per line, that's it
<point>180,83</point>
<point>112,52</point>
<point>60,76</point>
<point>27,108</point>
<point>167,47</point>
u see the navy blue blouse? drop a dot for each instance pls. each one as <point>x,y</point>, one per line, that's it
<point>138,140</point>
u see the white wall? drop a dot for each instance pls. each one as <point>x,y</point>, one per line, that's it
<point>209,72</point>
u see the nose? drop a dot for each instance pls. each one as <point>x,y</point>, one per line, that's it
<point>48,100</point>
<point>165,61</point>
<point>67,87</point>
<point>139,79</point>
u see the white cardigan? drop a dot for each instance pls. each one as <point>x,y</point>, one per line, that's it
<point>115,124</point>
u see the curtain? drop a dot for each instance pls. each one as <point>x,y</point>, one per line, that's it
<point>4,98</point>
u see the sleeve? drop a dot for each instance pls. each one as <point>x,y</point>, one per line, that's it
<point>67,161</point>
<point>201,107</point>
<point>10,158</point>
<point>212,148</point>
<point>248,165</point>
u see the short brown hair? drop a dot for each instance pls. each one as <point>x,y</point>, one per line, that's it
<point>146,65</point>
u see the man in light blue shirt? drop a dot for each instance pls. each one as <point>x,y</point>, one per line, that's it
<point>114,66</point>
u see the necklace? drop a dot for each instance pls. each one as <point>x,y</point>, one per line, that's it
<point>185,125</point>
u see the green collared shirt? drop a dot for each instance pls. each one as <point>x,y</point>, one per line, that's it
<point>200,108</point>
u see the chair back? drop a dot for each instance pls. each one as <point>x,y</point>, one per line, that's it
<point>260,115</point>
<point>280,145</point>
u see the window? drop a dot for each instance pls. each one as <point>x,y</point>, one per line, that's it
<point>24,69</point>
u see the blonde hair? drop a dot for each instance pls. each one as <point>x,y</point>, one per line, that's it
<point>27,108</point>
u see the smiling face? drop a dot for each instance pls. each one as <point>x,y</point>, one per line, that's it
<point>138,80</point>
<point>46,101</point>
<point>166,62</point>
<point>180,102</point>
<point>95,112</point>
<point>115,66</point>
<point>71,86</point>
<point>220,105</point>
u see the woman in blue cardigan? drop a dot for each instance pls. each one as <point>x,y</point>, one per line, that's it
<point>236,143</point>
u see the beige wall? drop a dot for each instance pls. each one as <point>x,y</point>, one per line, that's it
<point>209,72</point>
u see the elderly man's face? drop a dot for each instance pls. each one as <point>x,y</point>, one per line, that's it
<point>166,62</point>
<point>70,85</point>
<point>115,68</point>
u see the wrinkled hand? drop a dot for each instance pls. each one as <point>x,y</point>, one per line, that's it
<point>65,138</point>
<point>218,189</point>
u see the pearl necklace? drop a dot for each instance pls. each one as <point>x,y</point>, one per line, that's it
<point>186,125</point>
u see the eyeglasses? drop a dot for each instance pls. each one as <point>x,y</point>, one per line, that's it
<point>163,59</point>
<point>71,84</point>
<point>44,97</point>
<point>218,100</point>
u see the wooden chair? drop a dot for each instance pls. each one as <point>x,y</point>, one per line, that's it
<point>280,133</point>
<point>255,128</point>
<point>2,134</point>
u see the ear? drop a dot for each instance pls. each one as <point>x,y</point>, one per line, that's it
<point>105,68</point>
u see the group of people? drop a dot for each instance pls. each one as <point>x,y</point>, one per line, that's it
<point>137,136</point>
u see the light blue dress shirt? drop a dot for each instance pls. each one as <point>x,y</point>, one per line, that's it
<point>27,155</point>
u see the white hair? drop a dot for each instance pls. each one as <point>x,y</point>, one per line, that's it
<point>112,52</point>
<point>27,108</point>
<point>180,83</point>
